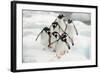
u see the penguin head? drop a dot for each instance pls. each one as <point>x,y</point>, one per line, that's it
<point>60,16</point>
<point>69,21</point>
<point>63,37</point>
<point>47,30</point>
<point>54,24</point>
<point>55,34</point>
<point>64,34</point>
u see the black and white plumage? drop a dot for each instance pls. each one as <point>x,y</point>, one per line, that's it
<point>54,37</point>
<point>59,35</point>
<point>62,38</point>
<point>45,36</point>
<point>62,45</point>
<point>59,25</point>
<point>61,22</point>
<point>55,27</point>
<point>71,30</point>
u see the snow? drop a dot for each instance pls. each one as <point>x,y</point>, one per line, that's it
<point>81,16</point>
<point>38,54</point>
<point>34,51</point>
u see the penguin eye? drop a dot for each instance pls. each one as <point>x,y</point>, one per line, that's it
<point>54,25</point>
<point>48,32</point>
<point>64,39</point>
<point>63,35</point>
<point>55,35</point>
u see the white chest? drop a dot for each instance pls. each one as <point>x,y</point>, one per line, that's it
<point>70,30</point>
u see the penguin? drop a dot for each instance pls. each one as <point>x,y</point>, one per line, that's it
<point>63,46</point>
<point>54,28</point>
<point>61,21</point>
<point>55,37</point>
<point>71,30</point>
<point>45,36</point>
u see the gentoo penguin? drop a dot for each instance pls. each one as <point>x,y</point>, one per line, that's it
<point>60,20</point>
<point>62,46</point>
<point>54,28</point>
<point>55,37</point>
<point>45,36</point>
<point>71,29</point>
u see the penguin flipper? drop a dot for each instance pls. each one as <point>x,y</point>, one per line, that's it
<point>68,45</point>
<point>75,29</point>
<point>38,35</point>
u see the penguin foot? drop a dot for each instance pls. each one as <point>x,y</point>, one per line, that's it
<point>68,47</point>
<point>49,46</point>
<point>72,44</point>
